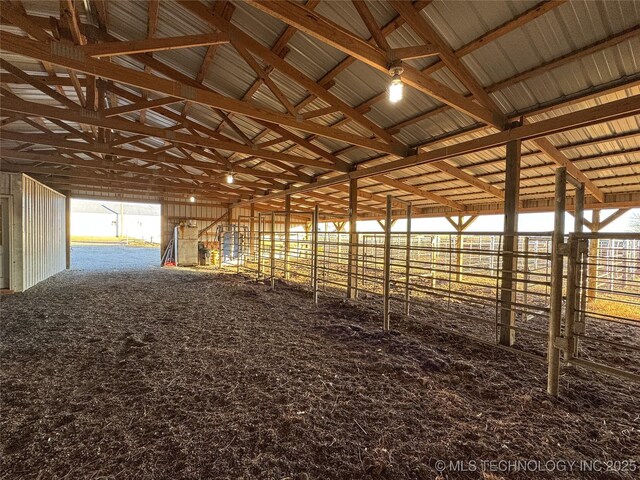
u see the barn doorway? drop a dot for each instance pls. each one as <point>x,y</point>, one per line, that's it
<point>107,235</point>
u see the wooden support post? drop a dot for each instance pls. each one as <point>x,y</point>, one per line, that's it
<point>352,272</point>
<point>273,250</point>
<point>287,234</point>
<point>386,288</point>
<point>314,258</point>
<point>510,243</point>
<point>557,263</point>
<point>67,226</point>
<point>407,267</point>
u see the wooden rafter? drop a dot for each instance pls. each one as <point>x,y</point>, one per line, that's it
<point>146,81</point>
<point>132,47</point>
<point>322,29</point>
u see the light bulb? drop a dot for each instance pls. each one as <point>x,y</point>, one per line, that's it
<point>395,89</point>
<point>192,199</point>
<point>229,177</point>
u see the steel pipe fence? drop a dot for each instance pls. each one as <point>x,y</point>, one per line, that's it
<point>602,319</point>
<point>455,282</point>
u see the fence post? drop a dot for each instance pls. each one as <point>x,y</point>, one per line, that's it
<point>386,288</point>
<point>434,244</point>
<point>557,263</point>
<point>580,274</point>
<point>572,276</point>
<point>287,237</point>
<point>525,272</point>
<point>407,267</point>
<point>352,268</point>
<point>314,263</point>
<point>259,247</point>
<point>273,250</point>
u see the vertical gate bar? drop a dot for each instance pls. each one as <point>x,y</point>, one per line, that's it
<point>594,248</point>
<point>387,265</point>
<point>555,315</point>
<point>578,228</point>
<point>238,247</point>
<point>252,231</point>
<point>525,272</point>
<point>273,250</point>
<point>259,246</point>
<point>572,272</point>
<point>459,249</point>
<point>353,239</point>
<point>287,233</point>
<point>407,267</point>
<point>314,264</point>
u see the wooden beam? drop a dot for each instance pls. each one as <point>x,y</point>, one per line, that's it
<point>410,53</point>
<point>418,192</point>
<point>420,26</point>
<point>467,178</point>
<point>238,36</point>
<point>370,22</point>
<point>327,32</point>
<point>612,218</point>
<point>131,47</point>
<point>141,105</point>
<point>83,117</point>
<point>72,57</point>
<point>589,116</point>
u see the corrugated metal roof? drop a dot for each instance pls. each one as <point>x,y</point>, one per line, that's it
<point>565,29</point>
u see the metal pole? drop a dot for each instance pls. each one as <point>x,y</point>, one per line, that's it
<point>572,272</point>
<point>67,229</point>
<point>287,233</point>
<point>407,267</point>
<point>314,268</point>
<point>352,272</point>
<point>557,262</point>
<point>525,271</point>
<point>578,228</point>
<point>273,250</point>
<point>259,246</point>
<point>387,265</point>
<point>237,247</point>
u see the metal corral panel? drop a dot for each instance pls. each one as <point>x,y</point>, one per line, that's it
<point>43,220</point>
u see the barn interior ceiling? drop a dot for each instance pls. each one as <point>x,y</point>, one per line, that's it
<point>240,103</point>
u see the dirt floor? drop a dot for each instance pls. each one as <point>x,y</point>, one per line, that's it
<point>169,373</point>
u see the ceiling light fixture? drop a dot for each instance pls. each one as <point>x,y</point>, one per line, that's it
<point>230,177</point>
<point>396,86</point>
<point>192,199</point>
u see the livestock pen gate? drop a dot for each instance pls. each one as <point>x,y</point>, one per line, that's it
<point>455,282</point>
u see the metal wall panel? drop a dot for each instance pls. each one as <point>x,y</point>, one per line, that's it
<point>43,220</point>
<point>173,213</point>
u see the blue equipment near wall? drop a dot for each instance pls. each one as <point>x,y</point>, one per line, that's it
<point>231,238</point>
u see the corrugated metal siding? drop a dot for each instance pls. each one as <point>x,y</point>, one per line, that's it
<point>43,219</point>
<point>173,213</point>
